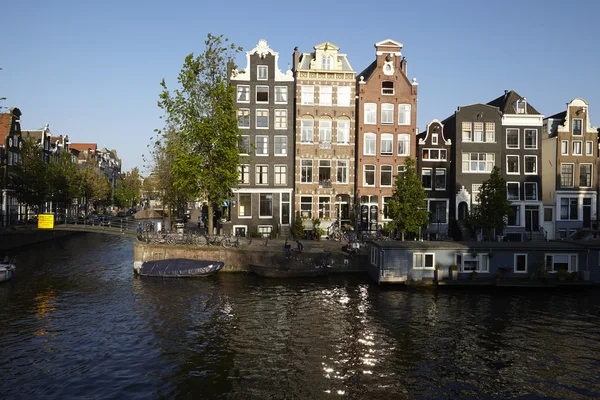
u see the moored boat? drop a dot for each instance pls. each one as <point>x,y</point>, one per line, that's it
<point>7,269</point>
<point>178,268</point>
<point>283,272</point>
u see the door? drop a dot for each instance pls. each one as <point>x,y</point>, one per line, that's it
<point>364,217</point>
<point>587,213</point>
<point>285,209</point>
<point>373,218</point>
<point>532,219</point>
<point>463,210</point>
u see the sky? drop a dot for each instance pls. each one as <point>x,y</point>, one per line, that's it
<point>92,70</point>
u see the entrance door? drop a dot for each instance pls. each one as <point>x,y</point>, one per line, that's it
<point>587,213</point>
<point>463,210</point>
<point>285,208</point>
<point>532,219</point>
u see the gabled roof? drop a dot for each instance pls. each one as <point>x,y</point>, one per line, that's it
<point>84,146</point>
<point>34,134</point>
<point>388,43</point>
<point>506,103</point>
<point>560,116</point>
<point>368,71</point>
<point>5,124</point>
<point>326,46</point>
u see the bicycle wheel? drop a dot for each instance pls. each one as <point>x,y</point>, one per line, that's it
<point>226,242</point>
<point>337,236</point>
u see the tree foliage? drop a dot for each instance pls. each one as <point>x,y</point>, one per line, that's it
<point>201,119</point>
<point>63,181</point>
<point>93,185</point>
<point>29,179</point>
<point>407,207</point>
<point>494,206</point>
<point>128,189</point>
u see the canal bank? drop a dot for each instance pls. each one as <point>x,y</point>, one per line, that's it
<point>13,238</point>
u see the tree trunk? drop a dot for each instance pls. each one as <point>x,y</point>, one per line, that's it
<point>210,218</point>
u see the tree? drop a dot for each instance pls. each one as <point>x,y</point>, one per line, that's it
<point>494,206</point>
<point>29,179</point>
<point>407,207</point>
<point>64,181</point>
<point>201,113</point>
<point>128,190</point>
<point>298,227</point>
<point>93,185</point>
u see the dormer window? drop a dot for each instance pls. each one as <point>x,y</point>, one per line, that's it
<point>577,125</point>
<point>327,62</point>
<point>521,106</point>
<point>262,72</point>
<point>387,87</point>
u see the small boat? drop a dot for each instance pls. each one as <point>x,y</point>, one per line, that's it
<point>282,272</point>
<point>178,268</point>
<point>7,269</point>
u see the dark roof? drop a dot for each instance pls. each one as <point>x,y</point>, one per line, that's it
<point>366,73</point>
<point>561,115</point>
<point>507,100</point>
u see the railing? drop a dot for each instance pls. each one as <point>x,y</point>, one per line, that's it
<point>112,225</point>
<point>325,145</point>
<point>326,183</point>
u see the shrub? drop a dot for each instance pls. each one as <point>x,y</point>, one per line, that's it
<point>454,267</point>
<point>298,227</point>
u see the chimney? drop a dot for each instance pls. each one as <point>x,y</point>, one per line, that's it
<point>505,94</point>
<point>296,58</point>
<point>403,65</point>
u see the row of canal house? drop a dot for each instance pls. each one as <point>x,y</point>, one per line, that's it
<point>328,142</point>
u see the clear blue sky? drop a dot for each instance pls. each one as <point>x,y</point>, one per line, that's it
<point>92,69</point>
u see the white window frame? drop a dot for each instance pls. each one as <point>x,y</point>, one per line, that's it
<point>535,135</point>
<point>264,140</point>
<point>573,126</point>
<point>249,145</point>
<point>435,175</point>
<point>572,175</point>
<point>589,148</point>
<point>535,172</point>
<point>512,131</point>
<point>570,256</point>
<point>243,114</point>
<point>489,134</point>
<point>535,190</point>
<point>285,146</point>
<point>427,172</point>
<point>478,132</point>
<point>423,257</point>
<point>244,174</point>
<point>489,162</point>
<point>564,148</point>
<point>518,172</point>
<point>515,263</point>
<point>365,175</point>
<point>577,147</point>
<point>257,91</point>
<point>241,207</point>
<point>304,212</point>
<point>429,153</point>
<point>342,165</point>
<point>391,91</point>
<point>387,140</point>
<point>306,165</point>
<point>591,175</point>
<point>370,144</point>
<point>387,114</point>
<point>259,113</point>
<point>370,113</point>
<point>243,92</point>
<point>343,131</point>
<point>475,190</point>
<point>404,137</point>
<point>280,174</point>
<point>325,130</point>
<point>261,170</point>
<point>281,118</point>
<point>263,228</point>
<point>404,114</point>
<point>325,95</point>
<point>518,198</point>
<point>434,138</point>
<point>307,130</point>
<point>343,96</point>
<point>479,258</point>
<point>467,131</point>
<point>307,95</point>
<point>281,91</point>
<point>388,169</point>
<point>262,72</point>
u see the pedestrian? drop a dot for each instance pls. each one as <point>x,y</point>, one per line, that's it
<point>288,249</point>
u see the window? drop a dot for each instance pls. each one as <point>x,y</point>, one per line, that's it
<point>324,207</point>
<point>386,208</point>
<point>325,173</point>
<point>325,95</point>
<point>467,132</point>
<point>434,138</point>
<point>548,211</point>
<point>369,175</point>
<point>281,94</point>
<point>577,124</point>
<point>531,138</point>
<point>343,96</point>
<point>478,162</point>
<point>326,62</point>
<point>387,144</point>
<point>566,175</point>
<point>556,262</point>
<point>475,189</point>
<point>245,205</point>
<point>467,263</point>
<point>585,175</point>
<point>243,94</point>
<point>423,260</point>
<point>262,94</point>
<point>403,144</point>
<point>281,175</point>
<point>426,178</point>
<point>577,147</point>
<point>265,205</point>
<point>306,171</point>
<point>262,72</point>
<point>568,208</point>
<point>370,144</point>
<point>512,138</point>
<point>490,132</point>
<point>306,207</point>
<point>564,148</point>
<point>262,174</point>
<point>243,115</point>
<point>244,144</point>
<point>478,132</point>
<point>387,113</point>
<point>280,144</point>
<point>531,191</point>
<point>343,132</point>
<point>262,145</point>
<point>401,170</point>
<point>307,95</point>
<point>530,165</point>
<point>342,171</point>
<point>520,264</point>
<point>307,127</point>
<point>386,175</point>
<point>515,218</point>
<point>434,155</point>
<point>387,87</point>
<point>589,148</point>
<point>370,113</point>
<point>262,119</point>
<point>512,191</point>
<point>244,173</point>
<point>512,164</point>
<point>440,179</point>
<point>281,119</point>
<point>325,131</point>
<point>404,114</point>
<point>521,107</point>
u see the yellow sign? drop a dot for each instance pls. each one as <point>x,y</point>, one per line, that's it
<point>46,221</point>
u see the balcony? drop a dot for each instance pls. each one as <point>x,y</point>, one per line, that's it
<point>325,145</point>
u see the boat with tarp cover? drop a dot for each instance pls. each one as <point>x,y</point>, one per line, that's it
<point>178,268</point>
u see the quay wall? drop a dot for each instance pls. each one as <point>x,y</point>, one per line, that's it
<point>239,259</point>
<point>12,239</point>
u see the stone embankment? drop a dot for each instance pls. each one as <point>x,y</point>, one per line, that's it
<point>11,238</point>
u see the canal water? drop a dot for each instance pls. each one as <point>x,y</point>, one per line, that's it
<point>76,323</point>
